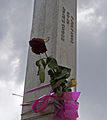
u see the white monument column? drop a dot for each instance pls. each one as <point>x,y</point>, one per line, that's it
<point>55,19</point>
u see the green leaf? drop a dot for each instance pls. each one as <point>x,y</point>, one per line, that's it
<point>57,84</point>
<point>52,63</point>
<point>50,72</point>
<point>64,73</point>
<point>41,69</point>
<point>42,62</point>
<point>41,74</point>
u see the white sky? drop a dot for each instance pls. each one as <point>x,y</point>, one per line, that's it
<point>15,27</point>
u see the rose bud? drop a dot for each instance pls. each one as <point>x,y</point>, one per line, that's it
<point>72,83</point>
<point>38,45</point>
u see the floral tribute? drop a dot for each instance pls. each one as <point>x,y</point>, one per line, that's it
<point>64,99</point>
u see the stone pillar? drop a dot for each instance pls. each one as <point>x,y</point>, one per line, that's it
<point>55,19</point>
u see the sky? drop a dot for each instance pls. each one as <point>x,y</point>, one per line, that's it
<point>15,29</point>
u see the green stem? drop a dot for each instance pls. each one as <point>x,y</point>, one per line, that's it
<point>46,55</point>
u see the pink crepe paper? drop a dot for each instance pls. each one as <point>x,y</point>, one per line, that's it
<point>67,111</point>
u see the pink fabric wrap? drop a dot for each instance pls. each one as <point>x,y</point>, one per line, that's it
<point>67,111</point>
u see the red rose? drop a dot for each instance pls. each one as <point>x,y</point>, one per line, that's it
<point>38,45</point>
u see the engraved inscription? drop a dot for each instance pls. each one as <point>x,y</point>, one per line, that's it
<point>72,30</point>
<point>63,15</point>
<point>67,25</point>
<point>68,18</point>
<point>63,24</point>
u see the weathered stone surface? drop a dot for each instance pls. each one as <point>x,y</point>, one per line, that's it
<point>55,19</point>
